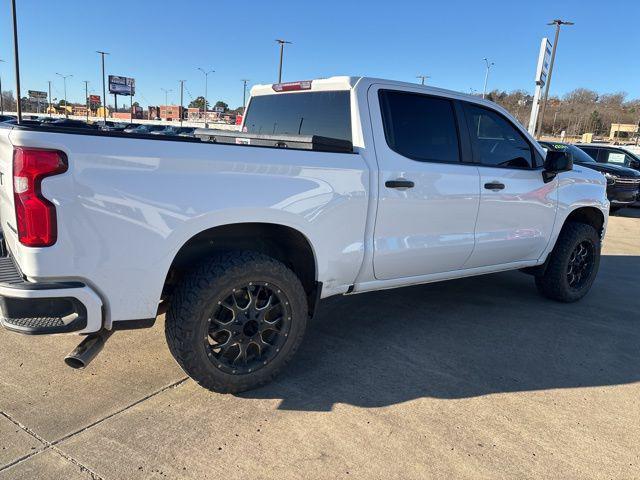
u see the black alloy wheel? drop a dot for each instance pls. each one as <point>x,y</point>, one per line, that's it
<point>581,263</point>
<point>248,328</point>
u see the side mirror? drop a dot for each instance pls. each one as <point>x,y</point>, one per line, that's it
<point>554,163</point>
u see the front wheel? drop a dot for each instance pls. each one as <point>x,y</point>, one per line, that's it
<point>573,264</point>
<point>236,321</point>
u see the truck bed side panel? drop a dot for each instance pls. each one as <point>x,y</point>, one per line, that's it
<point>126,206</point>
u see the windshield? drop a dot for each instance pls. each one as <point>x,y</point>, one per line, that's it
<point>327,114</point>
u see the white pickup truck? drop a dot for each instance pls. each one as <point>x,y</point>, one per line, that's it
<point>334,186</point>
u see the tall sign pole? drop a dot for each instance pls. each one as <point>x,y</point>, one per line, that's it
<point>558,23</point>
<point>17,59</point>
<point>541,79</point>
<point>104,89</point>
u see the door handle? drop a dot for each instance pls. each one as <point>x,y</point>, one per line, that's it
<point>399,183</point>
<point>494,186</point>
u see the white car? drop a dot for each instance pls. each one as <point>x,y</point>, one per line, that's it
<point>335,186</point>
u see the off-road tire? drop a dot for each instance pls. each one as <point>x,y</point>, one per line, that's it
<point>554,283</point>
<point>188,317</point>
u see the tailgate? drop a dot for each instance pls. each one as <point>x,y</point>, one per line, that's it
<point>7,210</point>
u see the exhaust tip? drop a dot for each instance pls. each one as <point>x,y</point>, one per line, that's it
<point>74,362</point>
<point>87,350</point>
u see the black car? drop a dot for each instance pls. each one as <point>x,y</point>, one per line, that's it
<point>5,118</point>
<point>623,184</point>
<point>611,154</point>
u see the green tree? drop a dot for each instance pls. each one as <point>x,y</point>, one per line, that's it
<point>198,103</point>
<point>220,103</point>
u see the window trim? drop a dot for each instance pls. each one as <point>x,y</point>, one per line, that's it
<point>456,121</point>
<point>532,150</point>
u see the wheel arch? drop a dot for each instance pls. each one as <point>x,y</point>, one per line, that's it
<point>284,243</point>
<point>589,215</point>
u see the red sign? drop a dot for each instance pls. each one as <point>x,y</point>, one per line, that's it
<point>94,99</point>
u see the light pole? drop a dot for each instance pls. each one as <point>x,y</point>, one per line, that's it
<point>104,89</point>
<point>181,99</point>
<point>1,97</point>
<point>206,81</point>
<point>86,96</point>
<point>244,94</point>
<point>558,23</point>
<point>423,78</point>
<point>282,44</point>
<point>166,95</point>
<point>486,76</point>
<point>50,109</point>
<point>64,79</point>
<point>16,57</point>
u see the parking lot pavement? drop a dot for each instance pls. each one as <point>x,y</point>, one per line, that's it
<point>473,378</point>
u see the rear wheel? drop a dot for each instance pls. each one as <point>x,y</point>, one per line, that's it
<point>573,264</point>
<point>236,321</point>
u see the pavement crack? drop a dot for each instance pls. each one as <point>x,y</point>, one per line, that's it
<point>83,468</point>
<point>27,430</point>
<point>124,409</point>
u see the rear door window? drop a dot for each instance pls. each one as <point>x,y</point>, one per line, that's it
<point>592,152</point>
<point>327,114</point>
<point>420,127</point>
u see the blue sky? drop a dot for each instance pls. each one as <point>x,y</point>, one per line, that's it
<point>400,39</point>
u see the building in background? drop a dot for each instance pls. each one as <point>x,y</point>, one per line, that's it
<point>623,130</point>
<point>171,112</point>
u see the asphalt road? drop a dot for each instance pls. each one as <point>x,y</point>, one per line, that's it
<point>475,378</point>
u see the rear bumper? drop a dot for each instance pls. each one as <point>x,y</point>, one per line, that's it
<point>45,308</point>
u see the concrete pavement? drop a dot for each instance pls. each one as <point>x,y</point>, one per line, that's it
<point>475,378</point>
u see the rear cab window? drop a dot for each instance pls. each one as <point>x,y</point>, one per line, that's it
<point>322,113</point>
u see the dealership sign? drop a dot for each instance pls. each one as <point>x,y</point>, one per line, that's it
<point>37,95</point>
<point>122,85</point>
<point>544,58</point>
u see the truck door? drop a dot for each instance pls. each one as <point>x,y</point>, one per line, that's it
<point>517,208</point>
<point>428,198</point>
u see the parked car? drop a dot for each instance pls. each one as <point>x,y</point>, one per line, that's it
<point>4,118</point>
<point>175,131</point>
<point>144,128</point>
<point>611,154</point>
<point>623,184</point>
<point>361,184</point>
<point>69,122</point>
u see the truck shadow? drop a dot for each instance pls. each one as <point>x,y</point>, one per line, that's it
<point>465,338</point>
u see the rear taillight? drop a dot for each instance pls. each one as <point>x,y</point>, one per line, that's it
<point>35,215</point>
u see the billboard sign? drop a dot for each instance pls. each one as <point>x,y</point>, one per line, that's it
<point>122,85</point>
<point>37,95</point>
<point>544,58</point>
<point>94,100</point>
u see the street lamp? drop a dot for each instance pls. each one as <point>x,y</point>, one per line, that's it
<point>423,78</point>
<point>64,79</point>
<point>558,23</point>
<point>104,89</point>
<point>486,76</point>
<point>206,81</point>
<point>282,44</point>
<point>166,95</point>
